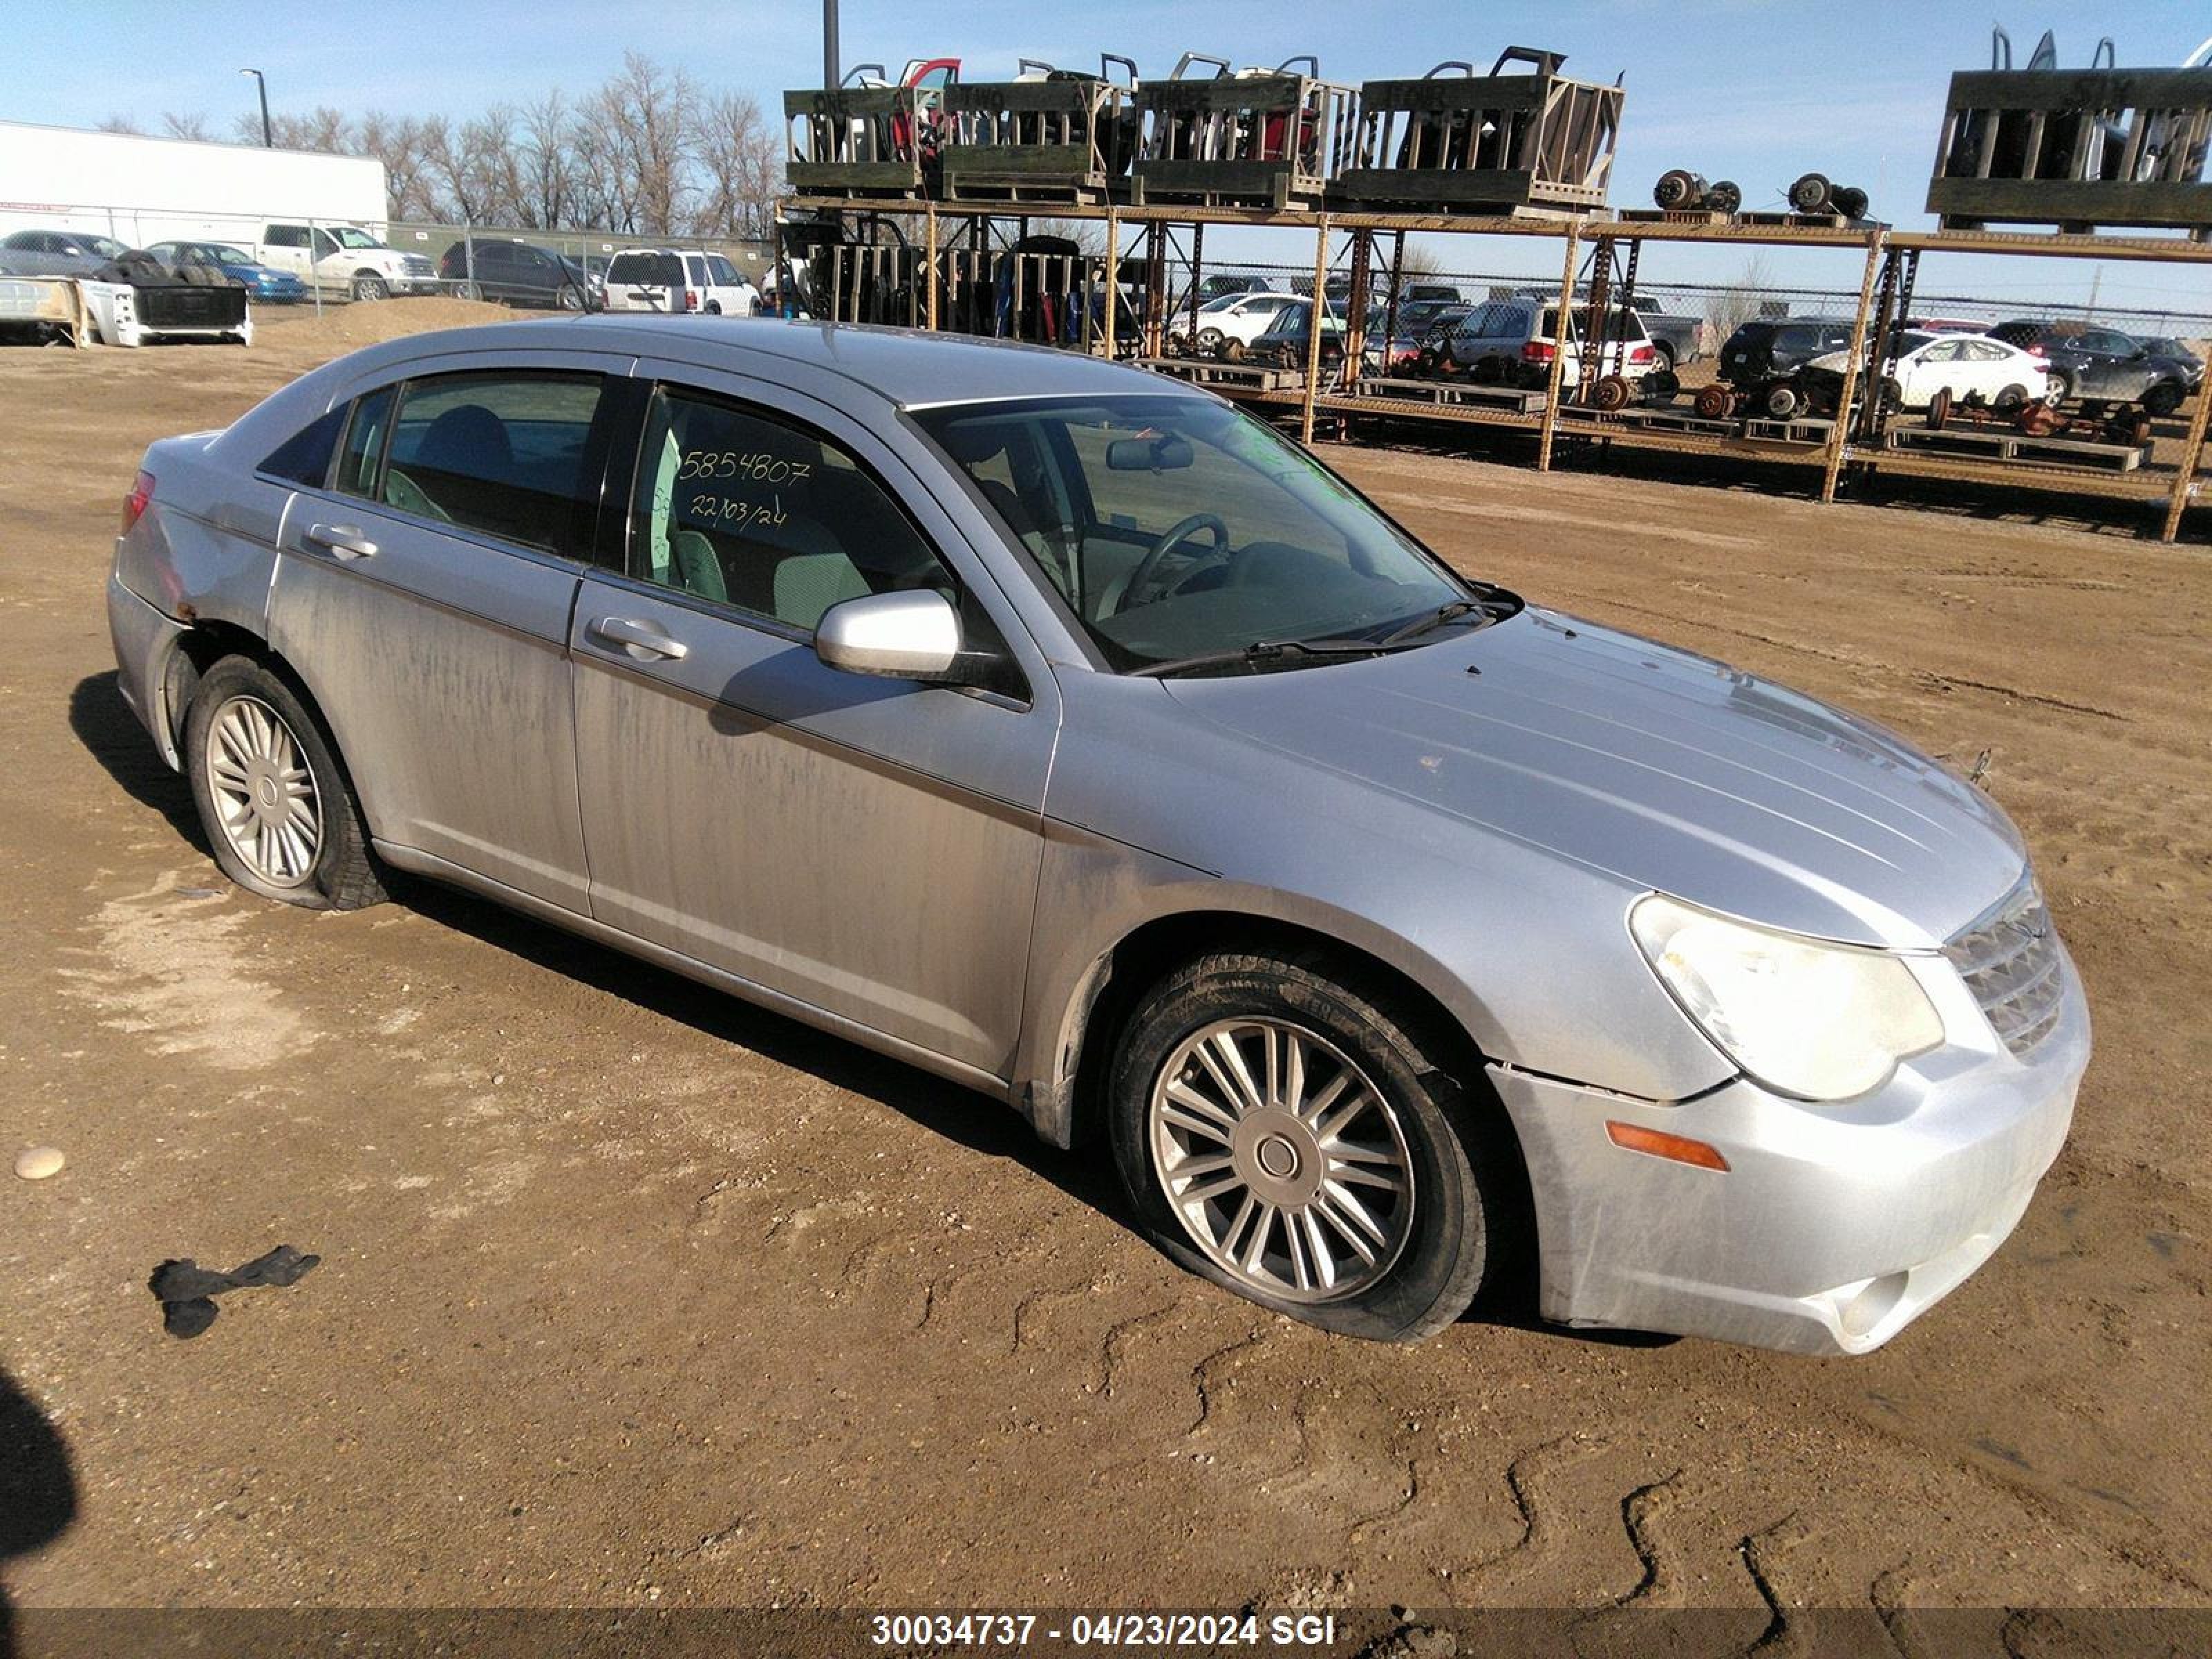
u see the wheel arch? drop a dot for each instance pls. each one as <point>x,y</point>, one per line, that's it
<point>207,642</point>
<point>1066,1105</point>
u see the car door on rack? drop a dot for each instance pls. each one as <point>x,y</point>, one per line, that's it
<point>866,847</point>
<point>425,596</point>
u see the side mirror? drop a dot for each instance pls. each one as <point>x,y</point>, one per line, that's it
<point>913,635</point>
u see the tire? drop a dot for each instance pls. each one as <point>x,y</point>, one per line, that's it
<point>1449,1230</point>
<point>244,725</point>
<point>368,285</point>
<point>713,307</point>
<point>1939,409</point>
<point>465,290</point>
<point>2062,388</point>
<point>570,300</point>
<point>2008,398</point>
<point>1209,341</point>
<point>1662,357</point>
<point>2162,399</point>
<point>1782,400</point>
<point>1891,395</point>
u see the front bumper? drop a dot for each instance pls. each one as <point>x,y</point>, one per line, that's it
<point>1833,1227</point>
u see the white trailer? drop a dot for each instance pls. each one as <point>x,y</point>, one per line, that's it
<point>141,190</point>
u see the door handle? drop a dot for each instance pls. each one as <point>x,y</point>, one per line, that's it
<point>641,640</point>
<point>344,539</point>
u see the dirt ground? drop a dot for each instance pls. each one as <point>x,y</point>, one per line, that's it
<point>631,1294</point>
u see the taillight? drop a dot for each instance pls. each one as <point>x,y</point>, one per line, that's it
<point>1537,351</point>
<point>1643,353</point>
<point>2037,351</point>
<point>691,299</point>
<point>140,498</point>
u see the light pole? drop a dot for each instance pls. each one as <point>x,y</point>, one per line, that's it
<point>831,73</point>
<point>262,81</point>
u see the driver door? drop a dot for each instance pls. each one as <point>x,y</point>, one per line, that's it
<point>865,847</point>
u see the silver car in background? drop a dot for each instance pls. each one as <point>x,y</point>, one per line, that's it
<point>1065,731</point>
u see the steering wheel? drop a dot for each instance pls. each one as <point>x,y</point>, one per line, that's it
<point>1141,578</point>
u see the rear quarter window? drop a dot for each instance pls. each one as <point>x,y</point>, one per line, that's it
<point>305,457</point>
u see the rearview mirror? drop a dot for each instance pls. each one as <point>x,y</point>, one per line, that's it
<point>1166,453</point>
<point>913,635</point>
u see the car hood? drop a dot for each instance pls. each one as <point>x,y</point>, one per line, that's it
<point>1665,769</point>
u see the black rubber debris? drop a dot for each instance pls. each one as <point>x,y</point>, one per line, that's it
<point>187,1291</point>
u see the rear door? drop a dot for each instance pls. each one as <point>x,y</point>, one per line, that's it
<point>866,847</point>
<point>425,596</point>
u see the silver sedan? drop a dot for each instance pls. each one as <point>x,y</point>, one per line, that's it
<point>1065,731</point>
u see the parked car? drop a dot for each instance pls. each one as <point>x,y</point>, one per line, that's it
<point>56,253</point>
<point>1422,324</point>
<point>1675,337</point>
<point>1238,317</point>
<point>345,260</point>
<point>2179,352</point>
<point>671,280</point>
<point>1949,324</point>
<point>2098,365</point>
<point>1971,367</point>
<point>1068,733</point>
<point>1286,343</point>
<point>518,273</point>
<point>262,283</point>
<point>1770,350</point>
<point>1513,341</point>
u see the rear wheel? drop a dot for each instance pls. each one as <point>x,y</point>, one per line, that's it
<point>278,809</point>
<point>2163,398</point>
<point>1297,1137</point>
<point>1209,341</point>
<point>2062,388</point>
<point>1663,354</point>
<point>2008,398</point>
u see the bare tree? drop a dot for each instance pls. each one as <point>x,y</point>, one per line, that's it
<point>547,160</point>
<point>1728,309</point>
<point>651,118</point>
<point>193,125</point>
<point>120,124</point>
<point>741,162</point>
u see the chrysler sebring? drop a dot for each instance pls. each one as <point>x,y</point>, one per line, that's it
<point>1065,732</point>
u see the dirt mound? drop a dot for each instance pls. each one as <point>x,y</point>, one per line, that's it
<point>367,322</point>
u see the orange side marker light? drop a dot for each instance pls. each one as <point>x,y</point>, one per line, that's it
<point>1657,1142</point>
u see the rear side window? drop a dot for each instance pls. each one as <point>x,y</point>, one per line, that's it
<point>305,457</point>
<point>725,273</point>
<point>506,453</point>
<point>765,517</point>
<point>287,236</point>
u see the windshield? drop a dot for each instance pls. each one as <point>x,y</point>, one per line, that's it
<point>1176,528</point>
<point>223,254</point>
<point>349,237</point>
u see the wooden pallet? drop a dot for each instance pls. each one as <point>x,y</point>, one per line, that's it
<point>1517,400</point>
<point>1210,371</point>
<point>2003,445</point>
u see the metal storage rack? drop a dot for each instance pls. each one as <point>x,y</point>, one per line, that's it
<point>1858,444</point>
<point>1058,137</point>
<point>1260,140</point>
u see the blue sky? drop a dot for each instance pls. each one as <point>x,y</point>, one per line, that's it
<point>1755,92</point>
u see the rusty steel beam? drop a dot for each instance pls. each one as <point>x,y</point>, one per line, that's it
<point>1838,441</point>
<point>1314,331</point>
<point>1551,426</point>
<point>2192,453</point>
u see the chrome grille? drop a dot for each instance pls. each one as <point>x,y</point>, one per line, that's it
<point>2009,960</point>
<point>415,264</point>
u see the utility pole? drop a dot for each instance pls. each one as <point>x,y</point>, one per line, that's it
<point>261,81</point>
<point>832,72</point>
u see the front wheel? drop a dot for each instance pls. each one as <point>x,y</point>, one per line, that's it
<point>2162,399</point>
<point>278,809</point>
<point>1300,1140</point>
<point>368,285</point>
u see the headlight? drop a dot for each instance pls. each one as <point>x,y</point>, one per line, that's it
<point>1822,1022</point>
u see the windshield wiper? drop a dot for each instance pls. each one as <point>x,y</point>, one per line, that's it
<point>1264,651</point>
<point>1433,619</point>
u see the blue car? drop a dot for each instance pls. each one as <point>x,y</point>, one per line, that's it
<point>263,284</point>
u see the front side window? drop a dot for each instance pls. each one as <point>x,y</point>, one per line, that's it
<point>324,245</point>
<point>504,452</point>
<point>769,518</point>
<point>1175,528</point>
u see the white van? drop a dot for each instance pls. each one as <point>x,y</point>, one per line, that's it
<point>679,280</point>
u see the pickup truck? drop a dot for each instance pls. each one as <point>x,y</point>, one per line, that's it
<point>1675,337</point>
<point>344,259</point>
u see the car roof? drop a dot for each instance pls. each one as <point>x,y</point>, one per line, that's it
<point>905,367</point>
